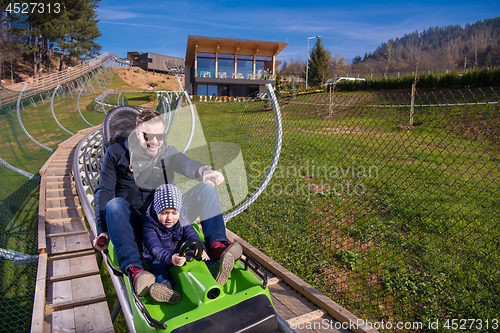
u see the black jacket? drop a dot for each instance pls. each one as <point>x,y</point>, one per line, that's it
<point>117,179</point>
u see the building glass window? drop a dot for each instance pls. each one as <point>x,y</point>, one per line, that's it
<point>240,91</point>
<point>201,90</point>
<point>245,66</point>
<point>226,65</point>
<point>206,90</point>
<point>211,90</point>
<point>224,91</point>
<point>263,67</point>
<point>205,65</point>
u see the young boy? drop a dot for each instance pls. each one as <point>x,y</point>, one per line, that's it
<point>162,238</point>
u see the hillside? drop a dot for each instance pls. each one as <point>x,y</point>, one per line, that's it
<point>141,79</point>
<point>437,49</point>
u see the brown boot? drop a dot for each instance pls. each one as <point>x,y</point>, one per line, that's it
<point>141,280</point>
<point>222,268</point>
<point>163,292</point>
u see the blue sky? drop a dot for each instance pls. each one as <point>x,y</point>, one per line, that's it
<point>349,28</point>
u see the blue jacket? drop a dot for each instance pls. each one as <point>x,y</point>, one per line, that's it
<point>117,179</point>
<point>160,242</point>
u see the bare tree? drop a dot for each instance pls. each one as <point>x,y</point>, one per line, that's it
<point>414,85</point>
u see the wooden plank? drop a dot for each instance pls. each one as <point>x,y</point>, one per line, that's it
<point>67,197</point>
<point>58,187</point>
<point>59,179</point>
<point>294,301</point>
<point>55,228</point>
<point>67,233</point>
<point>69,265</point>
<point>58,293</point>
<point>90,286</point>
<point>58,267</point>
<point>61,321</point>
<point>63,214</point>
<point>37,320</point>
<point>64,172</point>
<point>58,278</point>
<point>306,318</point>
<point>65,219</point>
<point>60,193</point>
<point>63,202</point>
<point>271,281</point>
<point>60,256</point>
<point>42,170</point>
<point>281,309</point>
<point>42,241</point>
<point>57,245</point>
<point>93,318</point>
<point>78,243</point>
<point>77,302</point>
<point>59,206</point>
<point>68,244</point>
<point>83,264</point>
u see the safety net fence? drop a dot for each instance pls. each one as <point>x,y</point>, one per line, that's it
<point>28,137</point>
<point>389,210</point>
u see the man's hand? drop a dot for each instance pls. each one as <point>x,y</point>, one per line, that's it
<point>204,255</point>
<point>177,260</point>
<point>101,242</point>
<point>212,177</point>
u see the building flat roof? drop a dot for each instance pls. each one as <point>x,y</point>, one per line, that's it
<point>232,46</point>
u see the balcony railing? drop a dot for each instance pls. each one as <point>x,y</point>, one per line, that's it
<point>207,73</point>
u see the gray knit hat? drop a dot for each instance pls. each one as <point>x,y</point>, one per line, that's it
<point>167,196</point>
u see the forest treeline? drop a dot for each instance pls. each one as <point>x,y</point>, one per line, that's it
<point>34,31</point>
<point>436,50</point>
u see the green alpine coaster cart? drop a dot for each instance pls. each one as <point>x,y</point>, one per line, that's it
<point>243,304</point>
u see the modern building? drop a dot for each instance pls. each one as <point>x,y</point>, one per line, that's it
<point>156,62</point>
<point>230,67</point>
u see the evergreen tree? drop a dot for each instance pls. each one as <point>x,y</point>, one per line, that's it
<point>319,64</point>
<point>80,24</point>
<point>8,40</point>
<point>72,27</point>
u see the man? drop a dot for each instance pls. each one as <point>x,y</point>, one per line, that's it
<point>130,173</point>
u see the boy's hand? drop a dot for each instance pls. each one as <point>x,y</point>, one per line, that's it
<point>177,260</point>
<point>101,242</point>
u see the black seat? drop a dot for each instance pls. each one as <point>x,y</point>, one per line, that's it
<point>118,124</point>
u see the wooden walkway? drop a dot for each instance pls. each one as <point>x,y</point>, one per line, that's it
<point>69,295</point>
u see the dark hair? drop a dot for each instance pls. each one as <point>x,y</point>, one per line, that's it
<point>146,115</point>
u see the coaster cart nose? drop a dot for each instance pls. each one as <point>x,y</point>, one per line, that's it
<point>243,304</point>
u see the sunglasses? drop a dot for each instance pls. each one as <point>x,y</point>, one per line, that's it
<point>150,137</point>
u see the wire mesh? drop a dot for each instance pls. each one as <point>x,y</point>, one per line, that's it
<point>21,159</point>
<point>393,214</point>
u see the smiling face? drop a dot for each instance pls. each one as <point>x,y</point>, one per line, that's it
<point>151,136</point>
<point>168,217</point>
